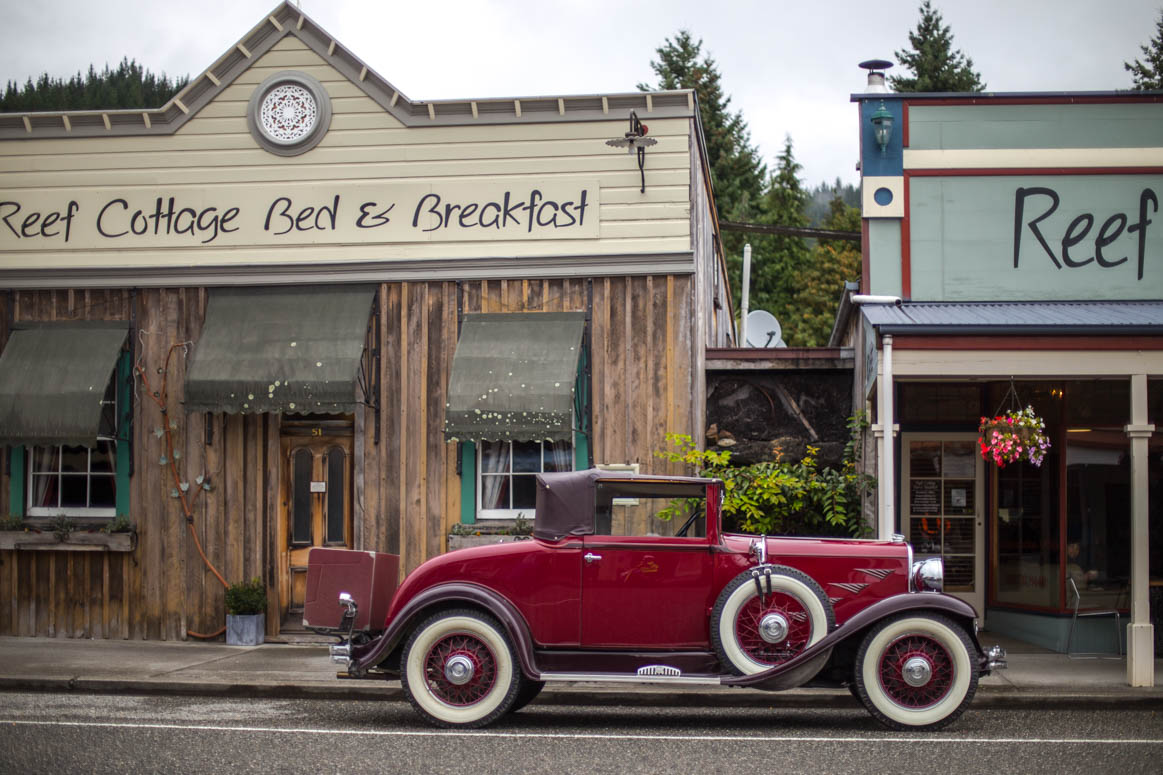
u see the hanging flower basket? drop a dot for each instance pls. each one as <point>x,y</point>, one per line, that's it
<point>1013,436</point>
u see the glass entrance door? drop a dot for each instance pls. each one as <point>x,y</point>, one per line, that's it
<point>943,508</point>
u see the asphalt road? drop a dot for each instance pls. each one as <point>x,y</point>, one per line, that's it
<point>100,733</point>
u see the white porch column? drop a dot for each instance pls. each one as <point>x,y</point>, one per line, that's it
<point>878,433</point>
<point>1140,633</point>
<point>885,431</point>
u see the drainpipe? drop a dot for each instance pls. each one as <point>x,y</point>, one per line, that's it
<point>746,294</point>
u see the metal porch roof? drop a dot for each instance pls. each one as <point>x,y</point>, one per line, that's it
<point>1061,318</point>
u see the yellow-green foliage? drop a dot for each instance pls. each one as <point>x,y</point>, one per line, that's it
<point>781,497</point>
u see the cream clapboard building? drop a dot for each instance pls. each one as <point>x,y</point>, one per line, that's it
<point>367,318</point>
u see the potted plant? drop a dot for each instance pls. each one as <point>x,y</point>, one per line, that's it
<point>1015,435</point>
<point>246,605</point>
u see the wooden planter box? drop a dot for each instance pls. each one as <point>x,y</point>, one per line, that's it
<point>463,542</point>
<point>78,541</point>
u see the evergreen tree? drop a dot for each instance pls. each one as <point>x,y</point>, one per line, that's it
<point>129,86</point>
<point>778,260</point>
<point>936,67</point>
<point>820,284</point>
<point>737,171</point>
<point>821,205</point>
<point>1148,72</point>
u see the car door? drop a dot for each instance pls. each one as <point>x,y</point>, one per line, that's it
<point>641,589</point>
<point>645,592</point>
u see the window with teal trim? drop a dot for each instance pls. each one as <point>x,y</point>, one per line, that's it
<point>507,475</point>
<point>85,481</point>
<point>498,478</point>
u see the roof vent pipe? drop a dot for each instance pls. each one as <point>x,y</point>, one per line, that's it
<point>861,298</point>
<point>876,81</point>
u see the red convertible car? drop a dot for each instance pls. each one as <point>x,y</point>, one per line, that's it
<point>605,590</point>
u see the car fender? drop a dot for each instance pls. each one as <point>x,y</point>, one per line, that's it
<point>376,651</point>
<point>785,675</point>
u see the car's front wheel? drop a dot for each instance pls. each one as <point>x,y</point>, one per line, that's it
<point>459,669</point>
<point>766,616</point>
<point>916,671</point>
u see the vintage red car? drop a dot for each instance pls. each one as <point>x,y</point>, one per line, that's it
<point>599,594</point>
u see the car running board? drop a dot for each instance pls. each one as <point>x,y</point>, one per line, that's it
<point>654,675</point>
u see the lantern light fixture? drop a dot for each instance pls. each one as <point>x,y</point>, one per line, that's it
<point>635,140</point>
<point>882,127</point>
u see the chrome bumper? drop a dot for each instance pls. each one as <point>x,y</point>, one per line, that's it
<point>995,659</point>
<point>341,652</point>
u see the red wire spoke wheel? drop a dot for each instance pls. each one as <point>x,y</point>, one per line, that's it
<point>767,615</point>
<point>459,669</point>
<point>757,619</point>
<point>916,671</point>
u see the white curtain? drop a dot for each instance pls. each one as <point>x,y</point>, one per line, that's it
<point>559,454</point>
<point>44,460</point>
<point>494,460</point>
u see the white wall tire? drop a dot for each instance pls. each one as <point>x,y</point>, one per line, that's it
<point>459,669</point>
<point>916,671</point>
<point>798,605</point>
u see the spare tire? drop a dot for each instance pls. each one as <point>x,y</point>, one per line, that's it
<point>766,616</point>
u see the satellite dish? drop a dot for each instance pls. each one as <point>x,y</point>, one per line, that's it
<point>763,330</point>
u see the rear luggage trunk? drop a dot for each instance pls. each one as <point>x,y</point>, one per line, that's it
<point>370,578</point>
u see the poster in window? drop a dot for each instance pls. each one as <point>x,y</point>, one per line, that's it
<point>959,497</point>
<point>925,496</point>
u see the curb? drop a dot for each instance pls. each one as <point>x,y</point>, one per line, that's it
<point>989,698</point>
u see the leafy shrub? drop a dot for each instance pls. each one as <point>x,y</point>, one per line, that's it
<point>246,598</point>
<point>14,522</point>
<point>782,497</point>
<point>62,527</point>
<point>118,525</point>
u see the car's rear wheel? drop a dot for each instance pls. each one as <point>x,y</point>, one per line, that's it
<point>916,672</point>
<point>766,616</point>
<point>459,669</point>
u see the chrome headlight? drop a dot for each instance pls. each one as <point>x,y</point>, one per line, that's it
<point>928,575</point>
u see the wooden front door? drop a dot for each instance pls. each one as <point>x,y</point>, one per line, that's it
<point>315,510</point>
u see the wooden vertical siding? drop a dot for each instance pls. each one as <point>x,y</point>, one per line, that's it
<point>407,489</point>
<point>642,357</point>
<point>162,589</point>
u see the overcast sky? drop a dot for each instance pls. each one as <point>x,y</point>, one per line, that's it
<point>789,65</point>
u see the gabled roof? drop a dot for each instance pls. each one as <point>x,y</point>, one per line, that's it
<point>1018,317</point>
<point>286,20</point>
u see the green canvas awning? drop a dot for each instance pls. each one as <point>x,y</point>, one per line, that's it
<point>513,377</point>
<point>53,377</point>
<point>293,350</point>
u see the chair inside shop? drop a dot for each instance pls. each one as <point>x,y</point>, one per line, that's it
<point>1077,596</point>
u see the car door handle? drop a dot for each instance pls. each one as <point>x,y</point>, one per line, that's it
<point>590,557</point>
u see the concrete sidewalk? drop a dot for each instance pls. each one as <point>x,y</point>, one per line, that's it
<point>1035,678</point>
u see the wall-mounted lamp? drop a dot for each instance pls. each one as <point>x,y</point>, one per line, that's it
<point>882,127</point>
<point>635,140</point>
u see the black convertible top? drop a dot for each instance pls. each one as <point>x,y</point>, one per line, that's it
<point>566,502</point>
